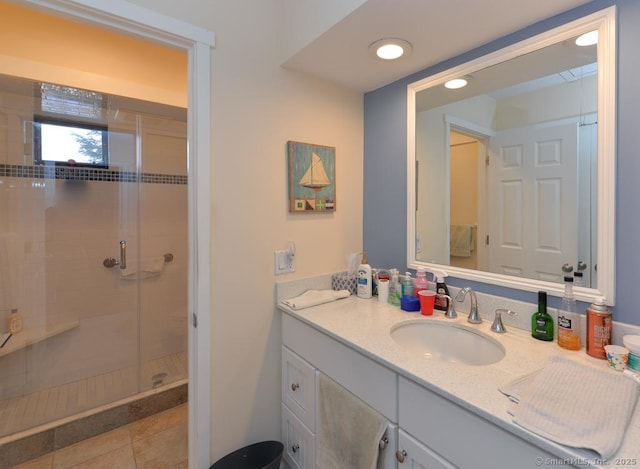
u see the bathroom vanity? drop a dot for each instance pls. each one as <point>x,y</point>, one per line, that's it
<point>442,414</point>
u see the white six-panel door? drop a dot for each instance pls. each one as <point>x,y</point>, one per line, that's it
<point>533,201</point>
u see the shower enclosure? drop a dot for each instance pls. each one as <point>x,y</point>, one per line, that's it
<point>93,250</point>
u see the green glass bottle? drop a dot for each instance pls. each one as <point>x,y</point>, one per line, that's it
<point>541,321</point>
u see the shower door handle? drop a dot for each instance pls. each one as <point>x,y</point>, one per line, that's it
<point>110,262</point>
<point>123,254</point>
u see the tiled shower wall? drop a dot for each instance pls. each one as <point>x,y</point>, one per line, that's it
<point>57,225</point>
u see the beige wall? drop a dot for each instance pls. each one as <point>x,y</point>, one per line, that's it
<point>257,107</point>
<point>38,46</point>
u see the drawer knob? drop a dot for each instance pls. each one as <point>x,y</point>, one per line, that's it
<point>294,386</point>
<point>400,455</point>
<point>295,448</point>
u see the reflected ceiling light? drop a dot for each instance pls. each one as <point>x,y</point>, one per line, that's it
<point>456,83</point>
<point>588,39</point>
<point>390,48</point>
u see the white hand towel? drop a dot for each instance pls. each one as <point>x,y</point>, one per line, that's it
<point>147,267</point>
<point>575,404</point>
<point>349,430</point>
<point>315,297</point>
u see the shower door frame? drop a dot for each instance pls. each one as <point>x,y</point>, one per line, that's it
<point>130,19</point>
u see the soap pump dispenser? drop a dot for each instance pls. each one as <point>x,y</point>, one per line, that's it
<point>364,278</point>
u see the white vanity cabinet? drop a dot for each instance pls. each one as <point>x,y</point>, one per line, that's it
<point>431,431</point>
<point>298,410</point>
<point>413,454</point>
<point>459,437</point>
<point>307,352</point>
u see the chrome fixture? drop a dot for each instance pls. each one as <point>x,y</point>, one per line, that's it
<point>110,262</point>
<point>451,311</point>
<point>497,325</point>
<point>474,317</point>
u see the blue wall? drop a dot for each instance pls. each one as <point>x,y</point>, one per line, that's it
<point>385,148</point>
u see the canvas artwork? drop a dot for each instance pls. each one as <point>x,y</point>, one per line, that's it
<point>312,178</point>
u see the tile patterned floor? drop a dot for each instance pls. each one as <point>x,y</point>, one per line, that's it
<point>57,402</point>
<point>156,442</point>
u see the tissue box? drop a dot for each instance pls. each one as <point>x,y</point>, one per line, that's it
<point>344,281</point>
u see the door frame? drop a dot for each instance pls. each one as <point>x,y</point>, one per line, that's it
<point>482,135</point>
<point>129,19</point>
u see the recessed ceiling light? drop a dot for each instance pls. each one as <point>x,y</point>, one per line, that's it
<point>588,39</point>
<point>390,48</point>
<point>456,83</point>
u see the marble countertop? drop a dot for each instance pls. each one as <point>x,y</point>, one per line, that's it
<point>364,325</point>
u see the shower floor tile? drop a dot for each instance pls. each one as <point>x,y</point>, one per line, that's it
<point>58,402</point>
<point>158,441</point>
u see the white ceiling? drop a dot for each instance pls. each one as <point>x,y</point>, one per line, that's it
<point>437,29</point>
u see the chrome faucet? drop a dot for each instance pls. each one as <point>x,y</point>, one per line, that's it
<point>497,325</point>
<point>474,317</point>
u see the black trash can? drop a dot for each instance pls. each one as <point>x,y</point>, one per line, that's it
<point>263,455</point>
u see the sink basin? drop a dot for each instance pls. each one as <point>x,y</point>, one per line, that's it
<point>450,342</point>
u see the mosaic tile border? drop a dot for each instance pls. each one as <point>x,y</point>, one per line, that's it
<point>88,174</point>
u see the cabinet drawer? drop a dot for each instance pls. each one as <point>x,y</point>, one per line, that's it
<point>415,454</point>
<point>298,387</point>
<point>445,426</point>
<point>299,442</point>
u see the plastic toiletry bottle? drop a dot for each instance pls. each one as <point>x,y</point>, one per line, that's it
<point>578,278</point>
<point>568,319</point>
<point>420,282</point>
<point>442,301</point>
<point>14,321</point>
<point>395,288</point>
<point>541,321</point>
<point>407,285</point>
<point>598,328</point>
<point>364,279</point>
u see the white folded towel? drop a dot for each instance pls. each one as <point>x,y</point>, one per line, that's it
<point>349,430</point>
<point>147,267</point>
<point>575,404</point>
<point>315,297</point>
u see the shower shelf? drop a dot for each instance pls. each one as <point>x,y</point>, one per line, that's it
<point>32,336</point>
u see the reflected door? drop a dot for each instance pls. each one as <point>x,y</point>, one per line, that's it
<point>536,168</point>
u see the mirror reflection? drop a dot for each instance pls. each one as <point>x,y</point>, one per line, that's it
<point>507,167</point>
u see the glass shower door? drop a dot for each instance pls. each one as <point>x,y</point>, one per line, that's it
<point>60,218</point>
<point>162,252</point>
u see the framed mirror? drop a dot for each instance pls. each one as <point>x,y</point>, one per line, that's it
<point>511,178</point>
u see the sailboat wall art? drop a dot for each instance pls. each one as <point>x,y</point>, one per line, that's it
<point>312,178</point>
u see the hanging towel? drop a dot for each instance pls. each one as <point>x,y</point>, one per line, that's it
<point>575,404</point>
<point>315,297</point>
<point>461,240</point>
<point>7,266</point>
<point>349,430</point>
<point>146,268</point>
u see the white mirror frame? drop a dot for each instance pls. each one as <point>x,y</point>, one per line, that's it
<point>604,21</point>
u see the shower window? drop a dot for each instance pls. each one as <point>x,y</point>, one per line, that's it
<point>70,128</point>
<point>70,143</point>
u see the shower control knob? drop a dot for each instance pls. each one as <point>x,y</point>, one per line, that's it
<point>295,448</point>
<point>400,455</point>
<point>294,386</point>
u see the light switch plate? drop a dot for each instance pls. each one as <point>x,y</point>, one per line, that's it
<point>283,261</point>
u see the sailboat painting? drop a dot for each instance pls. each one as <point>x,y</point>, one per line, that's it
<point>312,187</point>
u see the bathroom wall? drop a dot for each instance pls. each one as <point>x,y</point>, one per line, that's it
<point>385,158</point>
<point>258,106</point>
<point>36,45</point>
